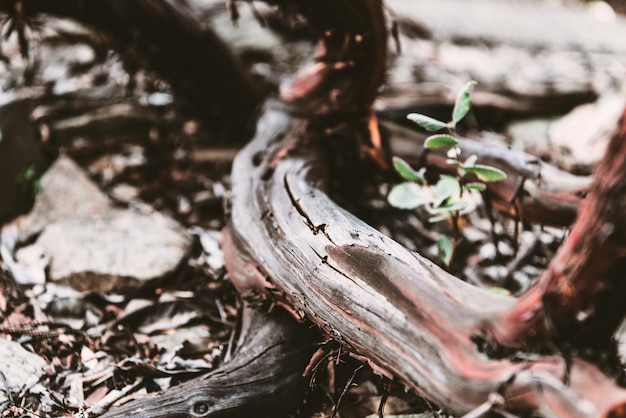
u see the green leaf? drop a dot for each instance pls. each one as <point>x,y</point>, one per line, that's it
<point>438,218</point>
<point>486,173</point>
<point>452,207</point>
<point>454,163</point>
<point>441,140</point>
<point>453,152</point>
<point>447,187</point>
<point>471,161</point>
<point>499,291</point>
<point>404,169</point>
<point>408,196</point>
<point>445,249</point>
<point>476,186</point>
<point>463,102</point>
<point>36,188</point>
<point>426,122</point>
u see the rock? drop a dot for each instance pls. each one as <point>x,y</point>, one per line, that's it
<point>585,131</point>
<point>66,192</point>
<point>20,367</point>
<point>113,250</point>
<point>91,245</point>
<point>29,266</point>
<point>530,135</point>
<point>211,247</point>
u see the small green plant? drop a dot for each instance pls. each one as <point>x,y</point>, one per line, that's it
<point>445,199</point>
<point>30,180</point>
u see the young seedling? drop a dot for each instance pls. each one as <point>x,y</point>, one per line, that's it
<point>30,180</point>
<point>443,200</point>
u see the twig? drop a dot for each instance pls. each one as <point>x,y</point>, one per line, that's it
<point>345,390</point>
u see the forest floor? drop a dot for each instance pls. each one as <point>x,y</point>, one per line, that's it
<point>113,285</point>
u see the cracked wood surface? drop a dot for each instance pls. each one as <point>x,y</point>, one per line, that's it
<point>411,319</point>
<point>264,378</point>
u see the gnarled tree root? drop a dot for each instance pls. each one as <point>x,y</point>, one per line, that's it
<point>414,321</point>
<point>263,379</point>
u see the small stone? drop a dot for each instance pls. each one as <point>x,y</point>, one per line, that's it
<point>93,246</point>
<point>66,191</point>
<point>495,273</point>
<point>591,125</point>
<point>113,250</point>
<point>34,260</point>
<point>210,241</point>
<point>124,192</point>
<point>530,135</point>
<point>20,367</point>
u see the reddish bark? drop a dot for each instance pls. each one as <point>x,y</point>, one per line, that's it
<point>409,318</point>
<point>349,63</point>
<point>580,297</point>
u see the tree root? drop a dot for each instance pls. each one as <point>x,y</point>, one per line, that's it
<point>264,378</point>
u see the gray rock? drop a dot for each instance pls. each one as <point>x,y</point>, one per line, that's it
<point>91,245</point>
<point>66,192</point>
<point>19,366</point>
<point>586,130</point>
<point>530,135</point>
<point>113,250</point>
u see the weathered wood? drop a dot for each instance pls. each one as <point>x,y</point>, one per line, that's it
<point>264,379</point>
<point>411,319</point>
<point>164,37</point>
<point>288,239</point>
<point>580,297</point>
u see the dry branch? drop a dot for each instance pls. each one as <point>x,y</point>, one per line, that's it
<point>163,36</point>
<point>413,321</point>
